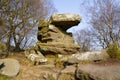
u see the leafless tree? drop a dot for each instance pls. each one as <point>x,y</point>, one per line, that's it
<point>82,38</point>
<point>21,17</point>
<point>104,18</point>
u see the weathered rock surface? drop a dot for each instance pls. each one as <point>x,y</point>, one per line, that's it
<point>68,73</point>
<point>88,56</point>
<point>65,21</point>
<point>58,48</point>
<point>10,67</point>
<point>92,56</point>
<point>98,72</point>
<point>69,69</point>
<point>52,35</point>
<point>66,77</point>
<point>35,56</point>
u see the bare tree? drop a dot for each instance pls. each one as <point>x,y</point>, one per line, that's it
<point>82,38</point>
<point>21,17</point>
<point>1,27</point>
<point>105,21</point>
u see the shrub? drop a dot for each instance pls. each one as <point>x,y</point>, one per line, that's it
<point>113,51</point>
<point>50,77</point>
<point>4,77</point>
<point>3,47</point>
<point>66,77</point>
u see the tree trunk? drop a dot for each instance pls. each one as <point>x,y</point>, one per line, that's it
<point>17,47</point>
<point>8,44</point>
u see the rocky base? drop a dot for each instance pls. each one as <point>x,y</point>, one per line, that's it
<point>55,48</point>
<point>35,56</point>
<point>52,35</point>
<point>98,72</point>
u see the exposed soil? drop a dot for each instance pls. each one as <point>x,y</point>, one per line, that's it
<point>29,71</point>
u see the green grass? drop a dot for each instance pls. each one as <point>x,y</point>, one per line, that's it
<point>3,47</point>
<point>50,77</point>
<point>4,77</point>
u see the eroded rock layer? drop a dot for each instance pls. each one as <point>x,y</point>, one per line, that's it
<point>52,35</point>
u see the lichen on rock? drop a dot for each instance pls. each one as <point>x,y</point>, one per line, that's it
<point>52,35</point>
<point>35,56</point>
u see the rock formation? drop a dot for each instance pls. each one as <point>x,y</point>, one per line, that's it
<point>67,73</point>
<point>90,56</point>
<point>52,35</point>
<point>98,71</point>
<point>35,56</point>
<point>93,56</point>
<point>9,67</point>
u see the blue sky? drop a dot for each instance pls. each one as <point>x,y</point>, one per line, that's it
<point>71,6</point>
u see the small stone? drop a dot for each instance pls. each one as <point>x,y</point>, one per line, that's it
<point>35,57</point>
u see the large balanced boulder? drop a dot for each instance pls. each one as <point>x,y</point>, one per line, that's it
<point>65,21</point>
<point>9,67</point>
<point>52,35</point>
<point>98,72</point>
